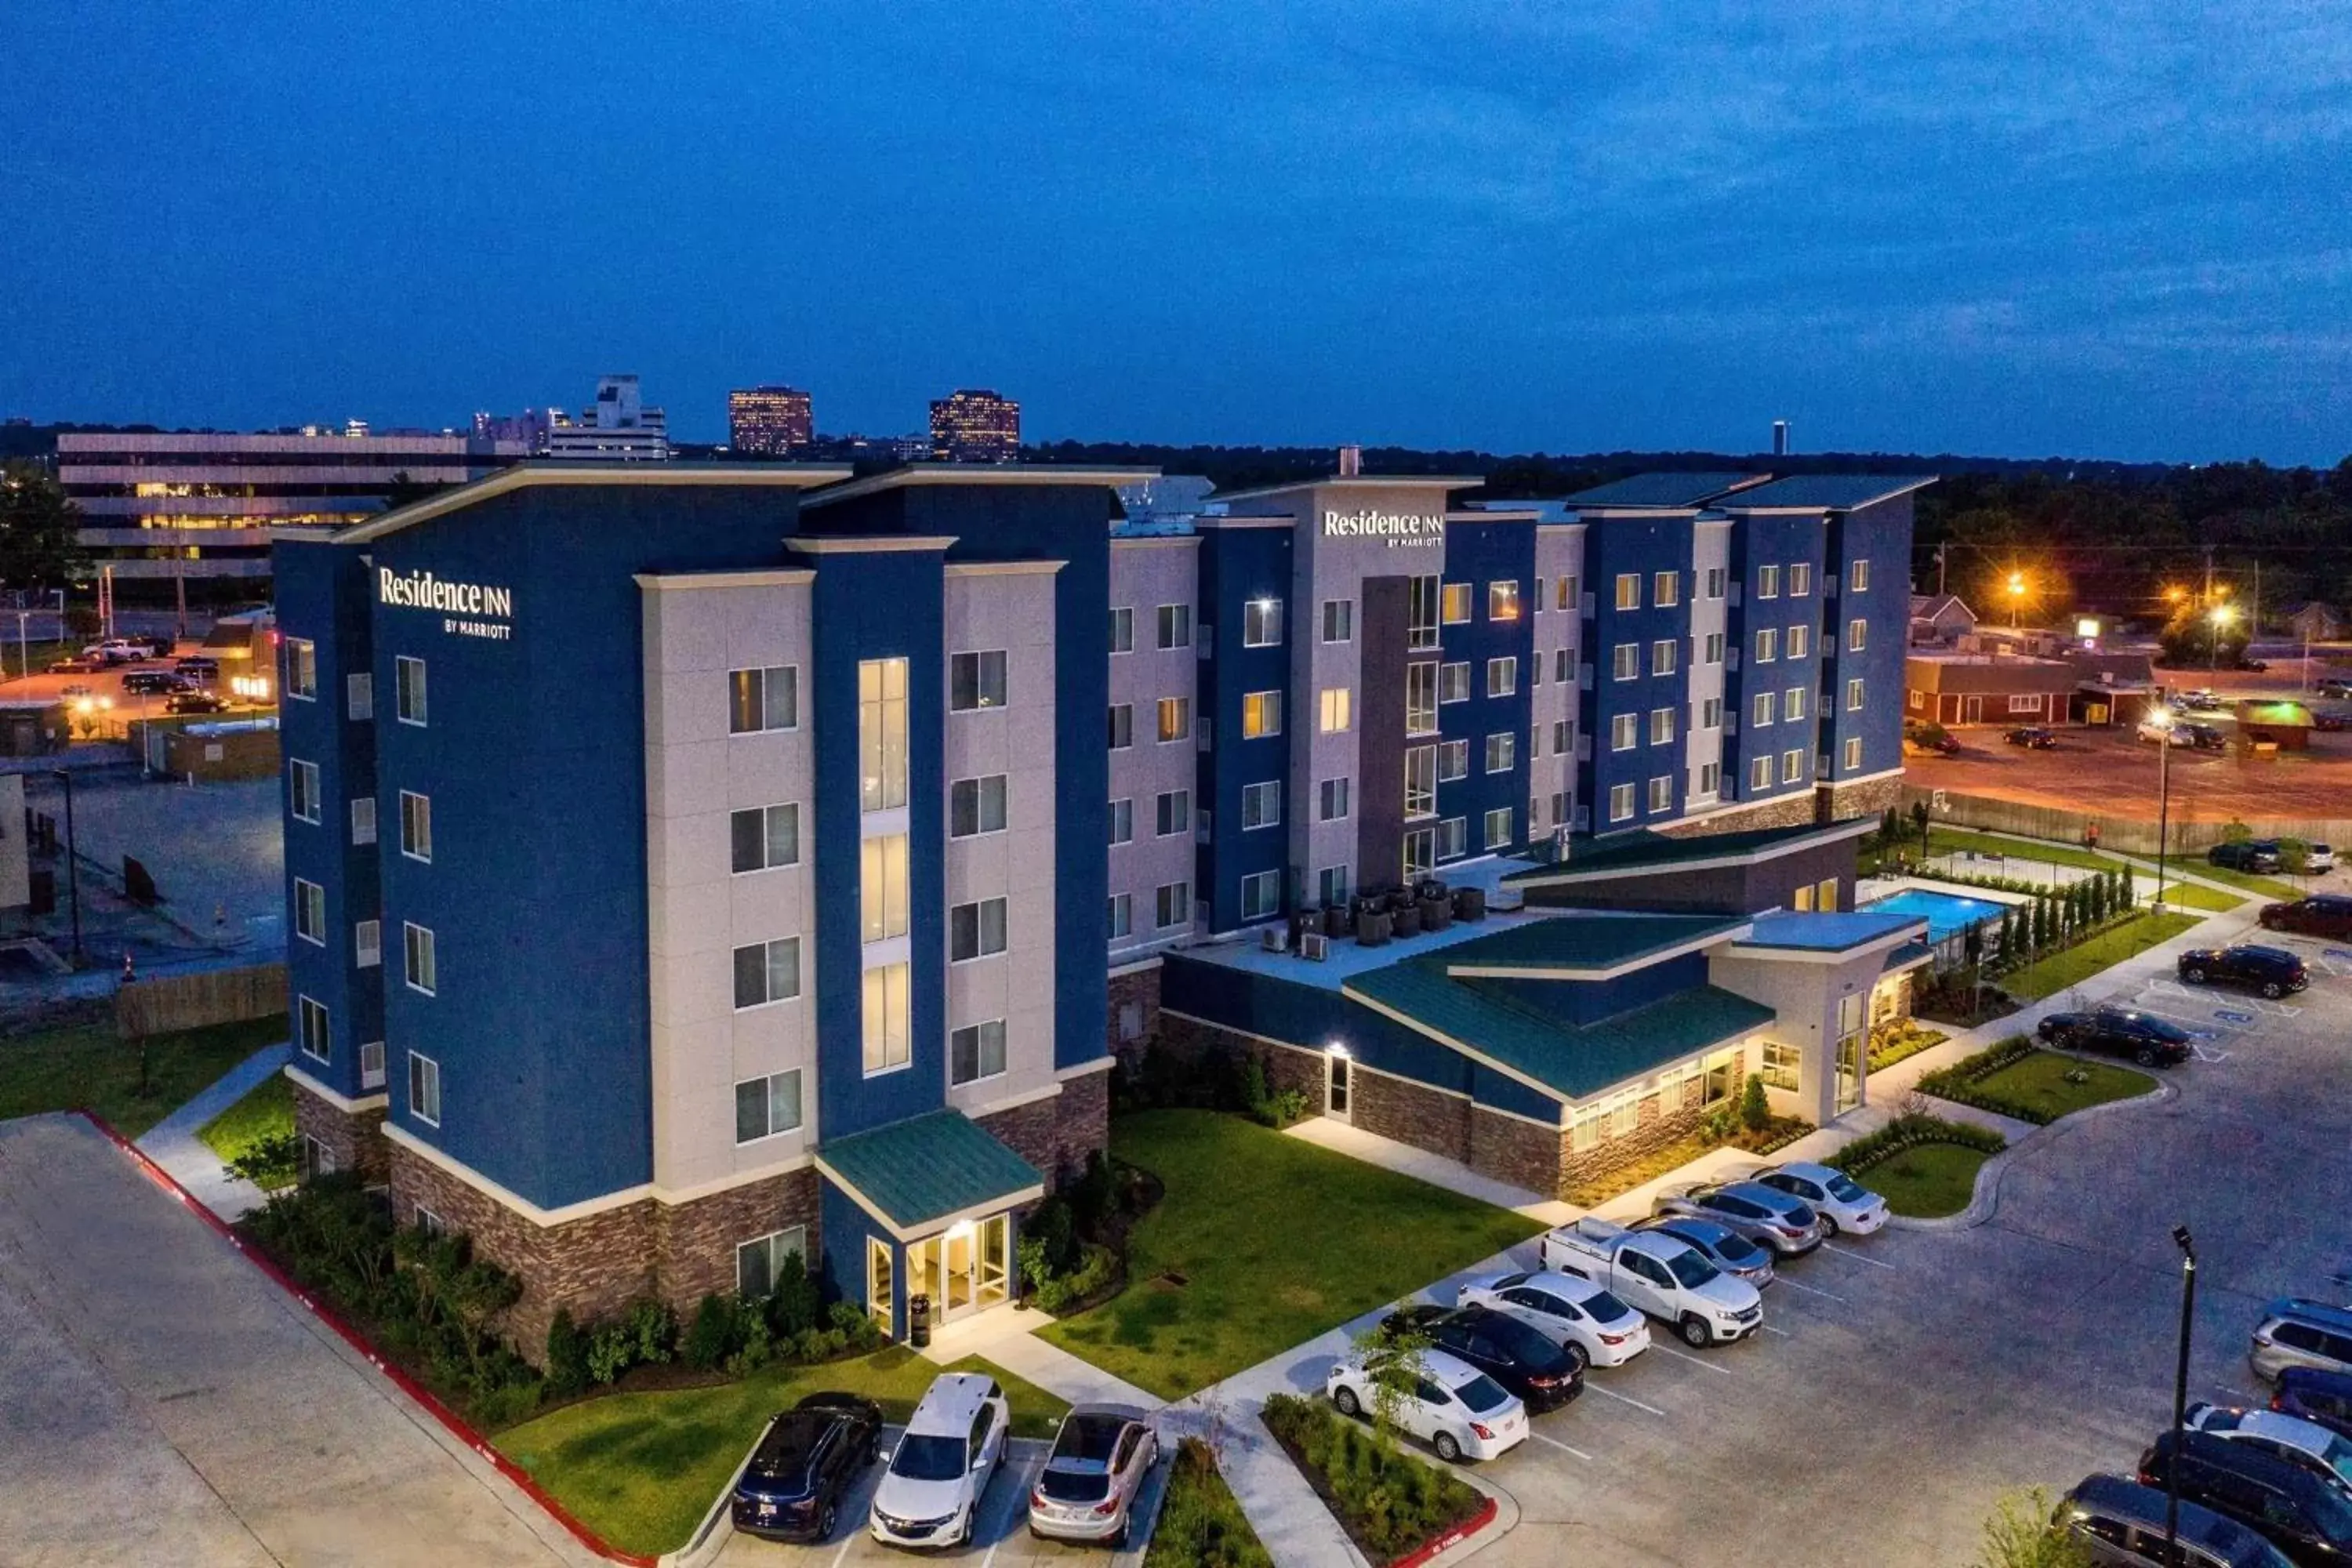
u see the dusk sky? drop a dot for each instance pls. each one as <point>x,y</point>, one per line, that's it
<point>2121,230</point>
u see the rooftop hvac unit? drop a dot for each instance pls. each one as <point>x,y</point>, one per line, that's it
<point>1275,939</point>
<point>1315,945</point>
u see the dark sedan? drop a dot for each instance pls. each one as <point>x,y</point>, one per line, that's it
<point>1522,1359</point>
<point>2245,855</point>
<point>196,702</point>
<point>2322,914</point>
<point>2117,1032</point>
<point>2034,737</point>
<point>2273,970</point>
<point>791,1488</point>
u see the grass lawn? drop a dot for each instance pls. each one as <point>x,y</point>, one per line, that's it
<point>2189,896</point>
<point>267,1108</point>
<point>1275,1241</point>
<point>2268,887</point>
<point>2040,1081</point>
<point>640,1469</point>
<point>87,1068</point>
<point>1199,1522</point>
<point>1926,1180</point>
<point>2052,975</point>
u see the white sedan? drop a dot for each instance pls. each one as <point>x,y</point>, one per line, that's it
<point>1851,1208</point>
<point>1574,1313</point>
<point>1455,1408</point>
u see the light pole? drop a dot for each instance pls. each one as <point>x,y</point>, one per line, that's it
<point>2016,599</point>
<point>2222,614</point>
<point>73,861</point>
<point>2181,1239</point>
<point>2163,719</point>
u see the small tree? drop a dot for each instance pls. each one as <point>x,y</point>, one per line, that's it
<point>2017,1535</point>
<point>2294,857</point>
<point>1755,1110</point>
<point>2038,913</point>
<point>2009,932</point>
<point>1394,1364</point>
<point>2126,891</point>
<point>1919,822</point>
<point>2235,832</point>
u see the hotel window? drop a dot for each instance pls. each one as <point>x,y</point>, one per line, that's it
<point>1759,774</point>
<point>764,836</point>
<point>1174,812</point>
<point>1801,641</point>
<point>1502,601</point>
<point>1452,761</point>
<point>1779,1067</point>
<point>1768,582</point>
<point>757,700</point>
<point>363,819</point>
<point>1122,915</point>
<point>372,1065</point>
<point>1629,590</point>
<point>1175,719</point>
<point>1625,1114</point>
<point>1260,714</point>
<point>1261,804</point>
<point>421,971</point>
<point>1915,699</point>
<point>359,697</point>
<point>882,887</point>
<point>1667,589</point>
<point>1853,695</point>
<point>1625,731</point>
<point>880,1287</point>
<point>1714,646</point>
<point>1421,613</point>
<point>1421,698</point>
<point>1767,645</point>
<point>1262,623</point>
<point>1564,594</point>
<point>767,972</point>
<point>1419,781</point>
<point>1858,632</point>
<point>1498,828</point>
<point>1715,582</point>
<point>1122,822</point>
<point>1454,682</point>
<point>416,826</point>
<point>1585,1131</point>
<point>1620,802</point>
<point>975,680</point>
<point>1332,883</point>
<point>1501,751</point>
<point>888,1043</point>
<point>1709,781</point>
<point>1710,713</point>
<point>1859,578</point>
<point>1175,625</point>
<point>313,1027</point>
<point>1792,766</point>
<point>1452,837</point>
<point>1420,852</point>
<point>1561,730</point>
<point>367,943</point>
<point>1662,793</point>
<point>310,911</point>
<point>1122,630</point>
<point>1662,656</point>
<point>1339,620</point>
<point>1453,604</point>
<point>1336,718</point>
<point>1122,726</point>
<point>1172,905</point>
<point>1801,579</point>
<point>1559,665</point>
<point>881,734</point>
<point>976,929</point>
<point>408,691</point>
<point>767,1106</point>
<point>1535,671</point>
<point>425,1089</point>
<point>301,669</point>
<point>1853,753</point>
<point>1332,803</point>
<point>1793,707</point>
<point>976,807</point>
<point>302,790</point>
<point>2030,703</point>
<point>759,1261</point>
<point>976,1051</point>
<point>1662,726</point>
<point>1825,899</point>
<point>1626,661</point>
<point>1766,704</point>
<point>1261,895</point>
<point>1502,677</point>
<point>1801,900</point>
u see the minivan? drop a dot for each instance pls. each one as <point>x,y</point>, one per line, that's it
<point>2308,1520</point>
<point>2120,1524</point>
<point>2296,1333</point>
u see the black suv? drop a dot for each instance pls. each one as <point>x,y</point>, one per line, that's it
<point>2114,1032</point>
<point>2273,970</point>
<point>1521,1359</point>
<point>793,1485</point>
<point>2246,854</point>
<point>2304,1516</point>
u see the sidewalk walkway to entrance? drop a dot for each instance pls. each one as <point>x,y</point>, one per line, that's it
<point>173,1143</point>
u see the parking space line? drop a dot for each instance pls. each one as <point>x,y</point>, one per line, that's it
<point>1858,1257</point>
<point>1809,1290</point>
<point>1623,1399</point>
<point>1678,1355</point>
<point>847,1542</point>
<point>1560,1446</point>
<point>1770,1329</point>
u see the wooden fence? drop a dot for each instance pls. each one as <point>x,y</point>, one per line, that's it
<point>191,1001</point>
<point>2129,836</point>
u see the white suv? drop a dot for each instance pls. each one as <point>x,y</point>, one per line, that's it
<point>931,1491</point>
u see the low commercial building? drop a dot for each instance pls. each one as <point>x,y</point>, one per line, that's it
<point>1968,688</point>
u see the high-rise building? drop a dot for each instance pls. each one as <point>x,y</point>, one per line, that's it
<point>1779,437</point>
<point>975,427</point>
<point>769,421</point>
<point>616,427</point>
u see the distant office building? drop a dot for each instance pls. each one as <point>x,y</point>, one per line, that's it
<point>197,507</point>
<point>616,427</point>
<point>975,427</point>
<point>1779,437</point>
<point>769,421</point>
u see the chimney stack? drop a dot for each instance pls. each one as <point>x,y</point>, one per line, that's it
<point>1351,461</point>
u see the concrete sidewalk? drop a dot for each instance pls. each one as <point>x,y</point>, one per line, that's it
<point>173,1143</point>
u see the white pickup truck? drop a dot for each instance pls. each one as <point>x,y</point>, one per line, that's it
<point>1660,1275</point>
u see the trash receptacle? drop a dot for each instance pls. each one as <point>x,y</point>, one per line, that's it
<point>919,1320</point>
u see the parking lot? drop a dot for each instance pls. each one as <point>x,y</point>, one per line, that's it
<point>2111,773</point>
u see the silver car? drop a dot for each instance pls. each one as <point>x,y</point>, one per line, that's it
<point>2296,1333</point>
<point>1846,1206</point>
<point>1761,1213</point>
<point>1719,1245</point>
<point>1087,1490</point>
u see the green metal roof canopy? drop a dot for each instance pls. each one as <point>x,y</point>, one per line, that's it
<point>924,1173</point>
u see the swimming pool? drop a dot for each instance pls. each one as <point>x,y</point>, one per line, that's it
<point>1946,912</point>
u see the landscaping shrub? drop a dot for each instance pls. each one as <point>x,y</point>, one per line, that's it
<point>1389,1502</point>
<point>608,1354</point>
<point>715,1334</point>
<point>1755,1110</point>
<point>1200,1525</point>
<point>1906,1132</point>
<point>1958,1082</point>
<point>1276,1110</point>
<point>1899,1039</point>
<point>567,1355</point>
<point>653,1332</point>
<point>269,1161</point>
<point>1097,1267</point>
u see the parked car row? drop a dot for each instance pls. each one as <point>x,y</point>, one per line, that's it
<point>2180,733</point>
<point>2263,854</point>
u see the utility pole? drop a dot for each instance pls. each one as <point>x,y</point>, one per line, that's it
<point>2207,602</point>
<point>1942,552</point>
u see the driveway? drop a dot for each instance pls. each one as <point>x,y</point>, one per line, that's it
<point>161,1401</point>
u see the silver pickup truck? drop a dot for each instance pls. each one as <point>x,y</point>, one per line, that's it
<point>1660,1275</point>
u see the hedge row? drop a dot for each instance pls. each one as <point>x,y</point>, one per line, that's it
<point>1958,1082</point>
<point>1908,1132</point>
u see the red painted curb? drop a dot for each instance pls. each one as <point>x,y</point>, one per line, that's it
<point>449,1419</point>
<point>1451,1538</point>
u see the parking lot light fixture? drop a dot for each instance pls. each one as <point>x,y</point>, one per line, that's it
<point>2163,718</point>
<point>2180,1239</point>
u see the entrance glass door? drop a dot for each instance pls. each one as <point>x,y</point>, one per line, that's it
<point>1336,1086</point>
<point>964,1269</point>
<point>1849,1072</point>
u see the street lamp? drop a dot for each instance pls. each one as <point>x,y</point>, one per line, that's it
<point>2161,717</point>
<point>2016,598</point>
<point>73,861</point>
<point>2180,1239</point>
<point>2222,616</point>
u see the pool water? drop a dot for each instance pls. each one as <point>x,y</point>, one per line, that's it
<point>1946,912</point>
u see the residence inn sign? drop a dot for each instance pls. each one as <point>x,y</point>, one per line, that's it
<point>470,609</point>
<point>1405,528</point>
